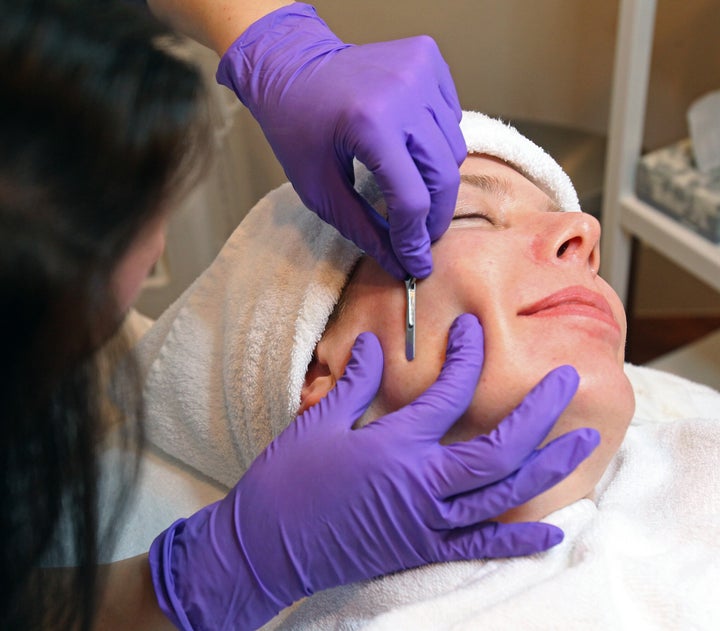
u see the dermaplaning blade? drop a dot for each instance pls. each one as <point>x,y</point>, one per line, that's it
<point>410,283</point>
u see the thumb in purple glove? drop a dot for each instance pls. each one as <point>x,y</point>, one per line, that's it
<point>392,105</point>
<point>326,505</point>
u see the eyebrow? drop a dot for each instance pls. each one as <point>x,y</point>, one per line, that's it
<point>491,184</point>
<point>499,187</point>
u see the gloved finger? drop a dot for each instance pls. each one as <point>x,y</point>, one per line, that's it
<point>448,113</point>
<point>548,466</point>
<point>488,458</point>
<point>449,124</point>
<point>447,89</point>
<point>438,168</point>
<point>360,223</point>
<point>356,389</point>
<point>542,470</point>
<point>495,540</point>
<point>435,410</point>
<point>387,156</point>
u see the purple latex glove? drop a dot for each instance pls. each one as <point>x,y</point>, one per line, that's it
<point>325,505</point>
<point>321,102</point>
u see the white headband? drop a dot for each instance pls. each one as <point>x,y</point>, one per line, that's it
<point>493,137</point>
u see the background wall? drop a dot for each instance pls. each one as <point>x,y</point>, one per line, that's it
<point>549,60</point>
<point>544,60</point>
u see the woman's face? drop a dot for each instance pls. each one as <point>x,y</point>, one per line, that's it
<point>530,275</point>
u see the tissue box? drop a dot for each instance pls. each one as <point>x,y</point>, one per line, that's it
<point>668,179</point>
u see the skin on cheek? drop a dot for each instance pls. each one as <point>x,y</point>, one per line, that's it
<point>139,259</point>
<point>537,249</point>
<point>437,309</point>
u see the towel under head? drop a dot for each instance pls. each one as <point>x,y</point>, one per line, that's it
<point>225,364</point>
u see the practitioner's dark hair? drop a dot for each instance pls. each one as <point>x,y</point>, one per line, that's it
<point>98,125</point>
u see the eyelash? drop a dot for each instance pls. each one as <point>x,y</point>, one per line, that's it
<point>476,215</point>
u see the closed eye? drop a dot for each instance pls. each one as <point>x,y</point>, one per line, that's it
<point>474,216</point>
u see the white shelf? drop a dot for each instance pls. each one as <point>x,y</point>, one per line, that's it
<point>624,216</point>
<point>685,248</point>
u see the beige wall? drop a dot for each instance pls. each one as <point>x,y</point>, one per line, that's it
<point>550,60</point>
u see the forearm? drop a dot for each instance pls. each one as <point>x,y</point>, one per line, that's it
<point>214,23</point>
<point>127,600</point>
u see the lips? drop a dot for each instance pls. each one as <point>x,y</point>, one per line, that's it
<point>576,300</point>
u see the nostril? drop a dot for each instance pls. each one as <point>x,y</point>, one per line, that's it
<point>562,249</point>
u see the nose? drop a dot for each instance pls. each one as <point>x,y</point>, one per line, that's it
<point>577,240</point>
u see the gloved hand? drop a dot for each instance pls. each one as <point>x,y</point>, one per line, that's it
<point>393,105</point>
<point>325,505</point>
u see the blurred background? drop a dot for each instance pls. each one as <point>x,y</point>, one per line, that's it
<point>545,66</point>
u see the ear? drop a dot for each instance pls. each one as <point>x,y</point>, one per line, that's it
<point>319,380</point>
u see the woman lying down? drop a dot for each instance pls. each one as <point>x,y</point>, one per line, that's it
<point>641,516</point>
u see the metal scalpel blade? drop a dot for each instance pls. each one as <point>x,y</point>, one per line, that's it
<point>410,283</point>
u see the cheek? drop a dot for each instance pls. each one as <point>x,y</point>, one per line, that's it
<point>403,381</point>
<point>136,265</point>
<point>618,311</point>
<point>438,303</point>
<point>474,275</point>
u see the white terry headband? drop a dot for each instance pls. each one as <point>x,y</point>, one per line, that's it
<point>224,366</point>
<point>493,137</point>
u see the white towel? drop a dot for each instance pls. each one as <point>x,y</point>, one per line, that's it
<point>645,554</point>
<point>490,136</point>
<point>224,366</point>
